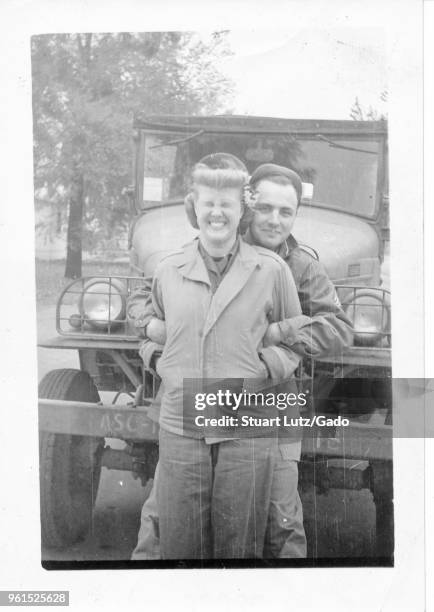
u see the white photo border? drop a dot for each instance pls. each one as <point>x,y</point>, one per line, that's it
<point>340,588</point>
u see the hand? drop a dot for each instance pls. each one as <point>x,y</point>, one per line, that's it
<point>272,335</point>
<point>156,331</point>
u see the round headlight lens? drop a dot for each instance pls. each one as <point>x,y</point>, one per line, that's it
<point>370,317</point>
<point>102,302</point>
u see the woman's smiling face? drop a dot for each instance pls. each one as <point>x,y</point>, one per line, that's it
<point>218,213</point>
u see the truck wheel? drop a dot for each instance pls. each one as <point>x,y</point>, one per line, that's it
<point>70,466</point>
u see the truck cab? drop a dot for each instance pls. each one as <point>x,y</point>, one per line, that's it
<point>342,164</point>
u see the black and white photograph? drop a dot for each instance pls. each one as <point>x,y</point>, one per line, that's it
<point>220,348</point>
<point>242,246</point>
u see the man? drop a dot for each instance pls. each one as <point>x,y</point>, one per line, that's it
<point>321,330</point>
<point>217,297</point>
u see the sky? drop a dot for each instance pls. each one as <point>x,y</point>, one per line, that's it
<point>314,73</point>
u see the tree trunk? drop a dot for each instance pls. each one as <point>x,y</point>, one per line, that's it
<point>75,227</point>
<point>76,201</point>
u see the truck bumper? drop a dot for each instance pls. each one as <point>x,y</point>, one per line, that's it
<point>360,441</point>
<point>99,420</point>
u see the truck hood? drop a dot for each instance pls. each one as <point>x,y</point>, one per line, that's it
<point>347,246</point>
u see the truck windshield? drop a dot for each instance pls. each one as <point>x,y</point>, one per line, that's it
<point>343,170</point>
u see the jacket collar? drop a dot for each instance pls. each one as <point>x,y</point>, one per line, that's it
<point>287,247</point>
<point>233,282</point>
<point>192,266</point>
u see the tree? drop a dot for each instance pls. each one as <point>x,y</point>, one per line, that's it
<point>86,88</point>
<point>359,113</point>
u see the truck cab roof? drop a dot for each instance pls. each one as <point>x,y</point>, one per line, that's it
<point>248,124</point>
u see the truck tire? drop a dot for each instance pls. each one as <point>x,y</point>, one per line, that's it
<point>70,466</point>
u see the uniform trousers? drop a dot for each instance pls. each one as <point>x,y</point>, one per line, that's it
<point>213,499</point>
<point>284,533</point>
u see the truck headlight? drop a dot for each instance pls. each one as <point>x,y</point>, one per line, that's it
<point>369,311</point>
<point>102,303</point>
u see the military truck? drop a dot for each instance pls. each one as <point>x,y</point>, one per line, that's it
<point>343,221</point>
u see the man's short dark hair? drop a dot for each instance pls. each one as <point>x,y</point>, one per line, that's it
<point>279,175</point>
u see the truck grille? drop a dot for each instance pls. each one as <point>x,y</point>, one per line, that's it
<point>95,307</point>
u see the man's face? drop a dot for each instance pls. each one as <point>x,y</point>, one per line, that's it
<point>218,213</point>
<point>275,211</point>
